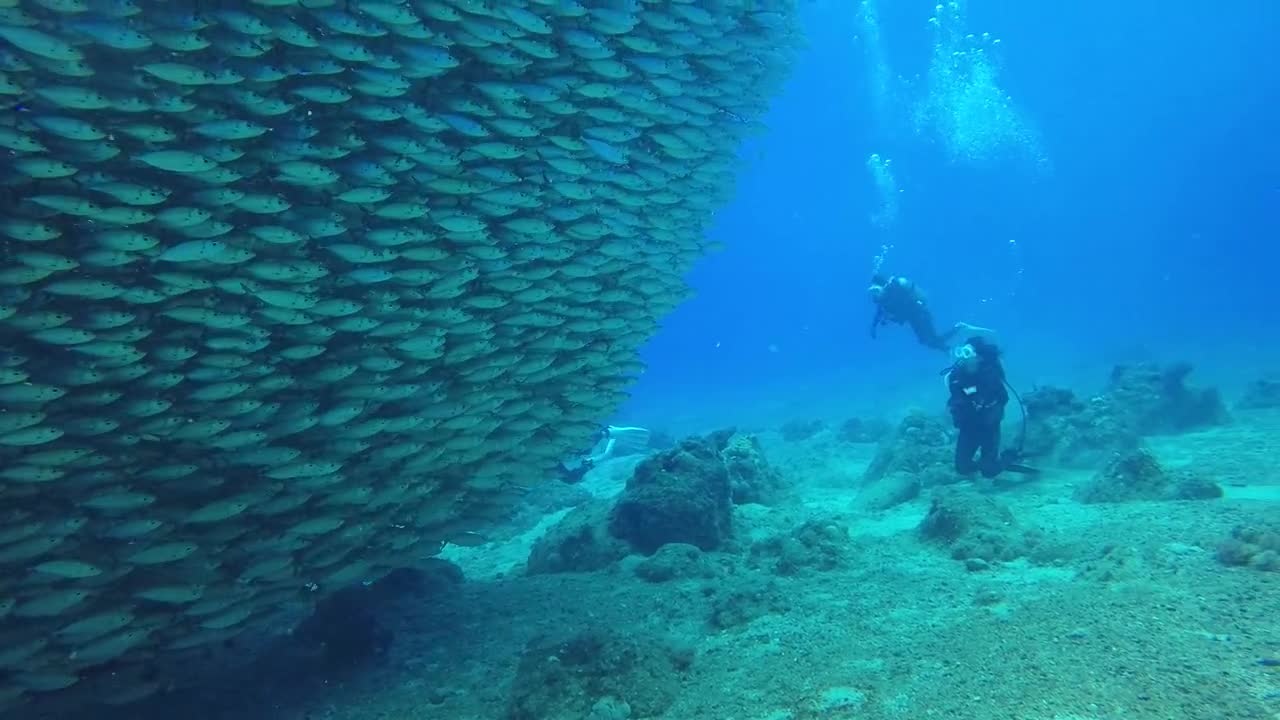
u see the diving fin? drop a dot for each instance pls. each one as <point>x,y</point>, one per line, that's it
<point>1009,462</point>
<point>1020,468</point>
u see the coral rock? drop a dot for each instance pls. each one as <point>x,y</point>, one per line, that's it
<point>975,528</point>
<point>578,543</point>
<point>921,446</point>
<point>1137,475</point>
<point>752,478</point>
<point>682,495</point>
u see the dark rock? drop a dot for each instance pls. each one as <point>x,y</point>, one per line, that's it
<point>1137,475</point>
<point>819,545</point>
<point>1190,486</point>
<point>1088,440</point>
<point>566,676</point>
<point>889,491</point>
<point>751,477</point>
<point>430,578</point>
<point>580,542</point>
<point>1155,400</point>
<point>1261,394</point>
<point>1142,399</point>
<point>1134,475</point>
<point>349,627</point>
<point>1047,408</point>
<point>1073,432</point>
<point>661,440</point>
<point>975,527</point>
<point>859,431</point>
<point>675,561</point>
<point>682,495</point>
<point>922,446</point>
<point>801,430</point>
<point>1258,548</point>
<point>346,628</point>
<point>1048,401</point>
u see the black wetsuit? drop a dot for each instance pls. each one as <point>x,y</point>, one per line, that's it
<point>900,303</point>
<point>573,476</point>
<point>978,398</point>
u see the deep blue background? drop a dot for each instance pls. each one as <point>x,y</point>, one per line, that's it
<point>1156,234</point>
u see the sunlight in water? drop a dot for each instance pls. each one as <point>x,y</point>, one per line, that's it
<point>878,70</point>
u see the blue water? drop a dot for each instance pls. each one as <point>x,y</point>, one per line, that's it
<point>1152,236</point>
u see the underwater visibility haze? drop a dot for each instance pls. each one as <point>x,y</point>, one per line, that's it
<point>1103,189</point>
<point>639,359</point>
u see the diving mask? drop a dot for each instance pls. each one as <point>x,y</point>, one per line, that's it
<point>964,353</point>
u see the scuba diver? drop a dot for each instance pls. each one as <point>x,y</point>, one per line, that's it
<point>978,395</point>
<point>612,441</point>
<point>898,300</point>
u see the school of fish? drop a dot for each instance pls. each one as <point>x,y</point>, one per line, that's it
<point>295,291</point>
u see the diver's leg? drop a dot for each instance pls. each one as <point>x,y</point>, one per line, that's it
<point>966,446</point>
<point>990,448</point>
<point>922,326</point>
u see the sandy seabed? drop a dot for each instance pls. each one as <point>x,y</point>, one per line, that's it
<point>1140,621</point>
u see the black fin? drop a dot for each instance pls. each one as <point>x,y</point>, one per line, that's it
<point>1020,468</point>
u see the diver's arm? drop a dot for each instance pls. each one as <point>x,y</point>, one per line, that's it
<point>957,400</point>
<point>877,321</point>
<point>955,386</point>
<point>992,396</point>
<point>955,389</point>
<point>985,333</point>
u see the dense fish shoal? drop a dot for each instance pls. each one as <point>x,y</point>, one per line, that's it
<point>295,291</point>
